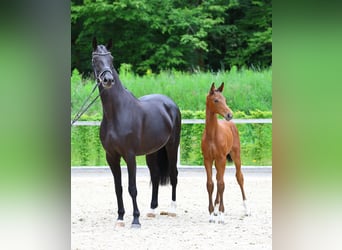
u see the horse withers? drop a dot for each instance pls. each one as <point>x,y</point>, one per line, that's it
<point>220,141</point>
<point>130,126</point>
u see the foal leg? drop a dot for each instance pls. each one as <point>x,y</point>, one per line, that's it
<point>210,187</point>
<point>220,168</point>
<point>132,188</point>
<point>114,163</point>
<point>239,177</point>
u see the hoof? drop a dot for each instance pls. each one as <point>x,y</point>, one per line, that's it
<point>220,218</point>
<point>119,224</point>
<point>172,209</point>
<point>212,218</point>
<point>152,213</point>
<point>247,208</point>
<point>136,226</point>
<point>164,213</point>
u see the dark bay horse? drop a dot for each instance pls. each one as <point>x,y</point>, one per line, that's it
<point>220,141</point>
<point>147,126</point>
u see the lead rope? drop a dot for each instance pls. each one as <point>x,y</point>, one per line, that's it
<point>81,112</point>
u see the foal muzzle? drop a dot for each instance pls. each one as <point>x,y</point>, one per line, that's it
<point>228,116</point>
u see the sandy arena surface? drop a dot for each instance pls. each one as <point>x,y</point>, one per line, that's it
<point>94,212</point>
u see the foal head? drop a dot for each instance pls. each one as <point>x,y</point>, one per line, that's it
<point>216,102</point>
<point>102,62</point>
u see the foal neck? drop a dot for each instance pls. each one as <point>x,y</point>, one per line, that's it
<point>211,122</point>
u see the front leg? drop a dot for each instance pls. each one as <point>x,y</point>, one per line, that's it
<point>114,163</point>
<point>132,188</point>
<point>210,186</point>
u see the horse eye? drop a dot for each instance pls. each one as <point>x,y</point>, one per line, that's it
<point>216,100</point>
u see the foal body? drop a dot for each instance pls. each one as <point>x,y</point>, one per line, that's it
<point>220,141</point>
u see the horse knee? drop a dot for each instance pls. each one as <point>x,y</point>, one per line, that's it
<point>133,191</point>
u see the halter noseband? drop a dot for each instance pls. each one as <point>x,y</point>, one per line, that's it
<point>98,76</point>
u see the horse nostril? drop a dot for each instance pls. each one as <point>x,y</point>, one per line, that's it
<point>229,116</point>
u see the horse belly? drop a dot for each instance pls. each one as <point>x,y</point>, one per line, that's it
<point>152,142</point>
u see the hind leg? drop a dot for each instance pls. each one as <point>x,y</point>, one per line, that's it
<point>152,163</point>
<point>239,177</point>
<point>172,155</point>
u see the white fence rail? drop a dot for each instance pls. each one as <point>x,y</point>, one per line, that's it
<point>184,121</point>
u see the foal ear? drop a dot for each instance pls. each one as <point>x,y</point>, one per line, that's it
<point>212,89</point>
<point>221,87</point>
<point>109,44</point>
<point>94,43</point>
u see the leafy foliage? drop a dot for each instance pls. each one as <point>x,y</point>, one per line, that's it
<point>171,34</point>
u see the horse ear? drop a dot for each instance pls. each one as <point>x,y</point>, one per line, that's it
<point>221,87</point>
<point>109,44</point>
<point>212,89</point>
<point>94,43</point>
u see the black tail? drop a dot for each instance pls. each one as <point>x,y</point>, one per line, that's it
<point>164,169</point>
<point>229,158</point>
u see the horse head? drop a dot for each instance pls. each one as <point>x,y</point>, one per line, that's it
<point>102,62</point>
<point>216,102</point>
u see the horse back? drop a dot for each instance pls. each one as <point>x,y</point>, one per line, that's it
<point>162,104</point>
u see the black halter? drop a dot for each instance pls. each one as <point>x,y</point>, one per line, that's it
<point>84,108</point>
<point>98,76</point>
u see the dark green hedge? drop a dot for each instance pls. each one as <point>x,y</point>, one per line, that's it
<point>256,141</point>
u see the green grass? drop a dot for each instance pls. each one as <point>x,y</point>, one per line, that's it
<point>244,90</point>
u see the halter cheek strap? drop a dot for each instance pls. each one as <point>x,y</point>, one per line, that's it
<point>98,77</point>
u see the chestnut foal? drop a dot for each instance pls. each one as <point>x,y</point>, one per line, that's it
<point>220,141</point>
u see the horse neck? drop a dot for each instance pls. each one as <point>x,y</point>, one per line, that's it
<point>115,100</point>
<point>211,122</point>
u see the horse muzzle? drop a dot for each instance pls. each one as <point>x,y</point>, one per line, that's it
<point>228,116</point>
<point>106,79</point>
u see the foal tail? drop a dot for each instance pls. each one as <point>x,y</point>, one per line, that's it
<point>164,168</point>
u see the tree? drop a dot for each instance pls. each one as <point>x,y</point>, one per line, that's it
<point>166,34</point>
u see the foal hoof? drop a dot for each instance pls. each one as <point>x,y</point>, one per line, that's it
<point>247,208</point>
<point>212,218</point>
<point>220,218</point>
<point>119,224</point>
